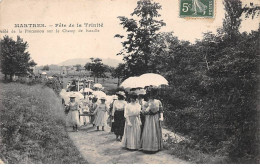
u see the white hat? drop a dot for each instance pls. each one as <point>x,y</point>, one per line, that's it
<point>103,98</point>
<point>115,97</point>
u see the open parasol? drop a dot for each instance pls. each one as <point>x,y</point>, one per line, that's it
<point>99,94</point>
<point>78,96</point>
<point>97,85</point>
<point>151,79</point>
<point>132,82</point>
<point>86,90</point>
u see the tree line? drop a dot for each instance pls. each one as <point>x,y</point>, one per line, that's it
<point>212,93</point>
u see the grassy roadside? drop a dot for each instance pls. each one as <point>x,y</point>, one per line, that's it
<point>32,127</point>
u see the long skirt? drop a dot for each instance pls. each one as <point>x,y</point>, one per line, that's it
<point>119,123</point>
<point>152,134</point>
<point>142,117</point>
<point>73,118</point>
<point>92,118</point>
<point>100,119</point>
<point>131,138</point>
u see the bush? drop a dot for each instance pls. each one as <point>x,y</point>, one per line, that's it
<point>53,84</point>
<point>33,126</point>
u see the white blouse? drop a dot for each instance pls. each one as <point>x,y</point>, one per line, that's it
<point>118,105</point>
<point>132,109</point>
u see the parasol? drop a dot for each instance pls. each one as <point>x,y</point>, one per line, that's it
<point>78,96</point>
<point>132,82</point>
<point>97,85</point>
<point>99,94</point>
<point>151,79</point>
<point>86,90</point>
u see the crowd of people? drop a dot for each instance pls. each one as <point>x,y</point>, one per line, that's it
<point>134,119</point>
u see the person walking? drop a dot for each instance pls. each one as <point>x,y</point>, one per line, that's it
<point>111,120</point>
<point>93,106</point>
<point>142,101</point>
<point>152,133</point>
<point>101,114</point>
<point>84,109</point>
<point>73,113</point>
<point>118,115</point>
<point>132,132</point>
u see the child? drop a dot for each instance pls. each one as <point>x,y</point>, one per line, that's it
<point>101,114</point>
<point>84,110</point>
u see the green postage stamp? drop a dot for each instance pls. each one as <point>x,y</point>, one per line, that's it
<point>197,8</point>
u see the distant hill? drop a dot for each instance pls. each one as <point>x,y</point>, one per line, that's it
<point>83,61</point>
<point>52,67</point>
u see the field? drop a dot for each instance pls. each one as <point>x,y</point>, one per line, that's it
<point>109,84</point>
<point>33,126</point>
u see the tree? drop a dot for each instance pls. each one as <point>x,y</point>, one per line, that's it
<point>137,48</point>
<point>119,72</point>
<point>14,57</point>
<point>78,66</point>
<point>46,68</point>
<point>97,68</point>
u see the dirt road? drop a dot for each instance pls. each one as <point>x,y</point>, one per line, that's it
<point>100,147</point>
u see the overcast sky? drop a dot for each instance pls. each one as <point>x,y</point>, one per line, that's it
<point>53,48</point>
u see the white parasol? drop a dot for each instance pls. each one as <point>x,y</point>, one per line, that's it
<point>151,79</point>
<point>78,96</point>
<point>99,94</point>
<point>97,85</point>
<point>132,82</point>
<point>86,90</point>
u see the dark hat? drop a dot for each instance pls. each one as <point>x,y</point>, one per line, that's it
<point>133,96</point>
<point>121,93</point>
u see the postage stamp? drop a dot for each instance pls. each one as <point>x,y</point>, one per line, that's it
<point>197,8</point>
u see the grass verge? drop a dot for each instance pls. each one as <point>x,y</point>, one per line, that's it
<point>32,126</point>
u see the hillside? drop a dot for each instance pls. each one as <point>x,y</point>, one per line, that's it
<point>83,61</point>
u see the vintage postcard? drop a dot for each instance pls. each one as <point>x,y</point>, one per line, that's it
<point>129,81</point>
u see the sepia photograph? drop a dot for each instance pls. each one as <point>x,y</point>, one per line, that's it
<point>129,82</point>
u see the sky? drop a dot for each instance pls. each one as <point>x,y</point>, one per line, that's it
<point>54,48</point>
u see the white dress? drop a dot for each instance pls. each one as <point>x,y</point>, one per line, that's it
<point>101,115</point>
<point>84,107</point>
<point>132,131</point>
<point>73,115</point>
<point>152,132</point>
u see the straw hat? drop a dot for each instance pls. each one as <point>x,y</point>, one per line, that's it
<point>121,93</point>
<point>115,97</point>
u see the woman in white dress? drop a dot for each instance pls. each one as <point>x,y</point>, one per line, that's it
<point>73,115</point>
<point>101,114</point>
<point>152,132</point>
<point>132,132</point>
